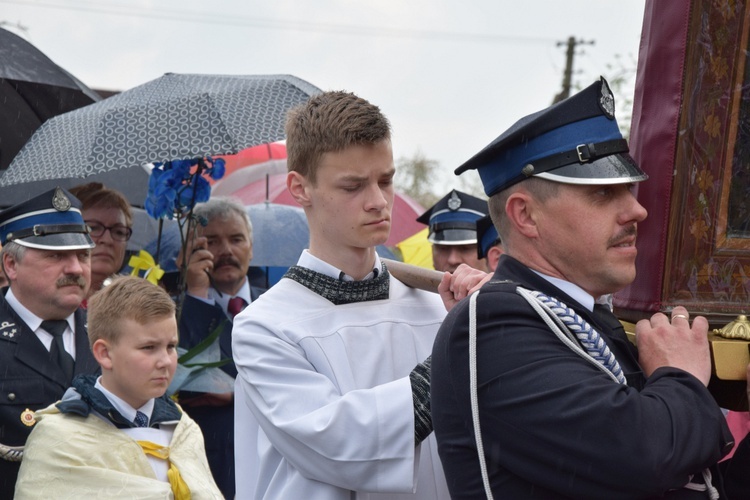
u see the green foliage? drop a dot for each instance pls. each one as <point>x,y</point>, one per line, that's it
<point>202,346</point>
<point>421,179</point>
<point>470,183</point>
<point>621,79</point>
<point>415,177</point>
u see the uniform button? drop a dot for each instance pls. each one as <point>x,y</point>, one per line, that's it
<point>11,396</point>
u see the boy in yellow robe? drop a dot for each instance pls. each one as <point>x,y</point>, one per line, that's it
<point>118,435</point>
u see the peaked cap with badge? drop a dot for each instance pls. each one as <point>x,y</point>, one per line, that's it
<point>49,221</point>
<point>576,141</point>
<point>452,220</point>
<point>487,236</point>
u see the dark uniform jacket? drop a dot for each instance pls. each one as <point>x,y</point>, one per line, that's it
<point>198,320</point>
<point>553,425</point>
<point>30,380</point>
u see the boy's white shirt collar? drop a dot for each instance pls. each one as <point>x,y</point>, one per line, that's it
<point>124,408</point>
<point>161,435</point>
<point>308,260</point>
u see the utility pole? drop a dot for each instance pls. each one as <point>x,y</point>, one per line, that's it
<point>568,74</point>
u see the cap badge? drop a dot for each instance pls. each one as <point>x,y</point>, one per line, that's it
<point>60,202</point>
<point>607,100</point>
<point>454,202</point>
<point>27,417</point>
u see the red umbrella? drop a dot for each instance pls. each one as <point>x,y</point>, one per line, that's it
<point>251,156</point>
<point>267,181</point>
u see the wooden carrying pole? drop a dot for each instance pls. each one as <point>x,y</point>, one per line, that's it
<point>414,276</point>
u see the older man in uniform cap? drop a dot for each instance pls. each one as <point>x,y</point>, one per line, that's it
<point>453,231</point>
<point>563,405</point>
<point>43,343</point>
<point>489,244</point>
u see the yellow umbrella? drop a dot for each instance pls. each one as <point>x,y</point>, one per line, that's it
<point>416,250</point>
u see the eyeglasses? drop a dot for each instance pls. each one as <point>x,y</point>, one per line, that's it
<point>118,232</point>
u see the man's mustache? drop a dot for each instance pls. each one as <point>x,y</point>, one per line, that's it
<point>624,234</point>
<point>227,261</point>
<point>71,280</point>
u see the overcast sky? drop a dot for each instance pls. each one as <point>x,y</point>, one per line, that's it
<point>451,75</point>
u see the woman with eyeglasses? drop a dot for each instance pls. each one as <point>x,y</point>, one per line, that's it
<point>107,212</point>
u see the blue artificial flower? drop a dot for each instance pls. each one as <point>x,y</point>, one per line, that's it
<point>198,191</point>
<point>169,182</point>
<point>218,166</point>
<point>153,180</point>
<point>157,201</point>
<point>159,207</point>
<point>203,190</point>
<point>181,168</point>
<point>175,187</point>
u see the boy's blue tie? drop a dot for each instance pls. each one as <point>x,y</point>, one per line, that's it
<point>141,420</point>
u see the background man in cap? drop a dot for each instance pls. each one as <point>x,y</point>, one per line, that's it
<point>489,245</point>
<point>43,343</point>
<point>453,232</point>
<point>567,412</point>
<point>217,289</point>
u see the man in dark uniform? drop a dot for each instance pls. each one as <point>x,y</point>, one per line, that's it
<point>489,244</point>
<point>567,407</point>
<point>217,289</point>
<point>43,343</point>
<point>453,231</point>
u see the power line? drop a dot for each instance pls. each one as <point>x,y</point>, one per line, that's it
<point>275,24</point>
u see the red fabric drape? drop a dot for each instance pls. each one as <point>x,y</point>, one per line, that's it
<point>653,138</point>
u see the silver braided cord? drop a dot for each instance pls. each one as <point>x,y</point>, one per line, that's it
<point>711,490</point>
<point>11,453</point>
<point>473,393</point>
<point>592,342</point>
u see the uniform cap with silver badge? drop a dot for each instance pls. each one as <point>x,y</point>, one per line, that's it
<point>452,220</point>
<point>576,141</point>
<point>49,221</point>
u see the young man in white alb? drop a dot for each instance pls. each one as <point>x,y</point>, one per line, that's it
<point>332,394</point>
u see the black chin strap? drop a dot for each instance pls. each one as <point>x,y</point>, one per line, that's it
<point>46,229</point>
<point>583,153</point>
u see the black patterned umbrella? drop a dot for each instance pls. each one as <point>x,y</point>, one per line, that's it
<point>173,117</point>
